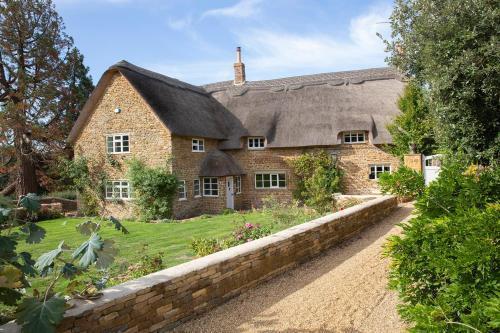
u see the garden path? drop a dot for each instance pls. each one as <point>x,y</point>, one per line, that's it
<point>343,291</point>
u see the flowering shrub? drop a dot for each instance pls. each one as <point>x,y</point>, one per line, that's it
<point>248,232</point>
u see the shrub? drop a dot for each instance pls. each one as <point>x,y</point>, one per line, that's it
<point>285,213</point>
<point>404,182</point>
<point>205,246</point>
<point>459,188</point>
<point>249,232</point>
<point>87,177</point>
<point>68,194</point>
<point>243,233</point>
<point>147,264</point>
<point>318,179</point>
<point>446,270</point>
<point>154,190</point>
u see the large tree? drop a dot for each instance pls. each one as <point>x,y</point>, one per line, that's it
<point>452,48</point>
<point>412,131</point>
<point>43,84</point>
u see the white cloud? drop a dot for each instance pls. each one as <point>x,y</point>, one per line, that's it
<point>274,51</point>
<point>244,8</point>
<point>271,54</point>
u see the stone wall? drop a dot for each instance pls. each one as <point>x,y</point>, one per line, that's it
<point>163,299</point>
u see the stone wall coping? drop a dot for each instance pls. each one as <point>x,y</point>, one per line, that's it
<point>124,290</point>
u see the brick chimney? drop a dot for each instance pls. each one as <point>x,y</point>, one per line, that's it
<point>239,68</point>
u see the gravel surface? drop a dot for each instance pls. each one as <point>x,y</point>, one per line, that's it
<point>343,291</point>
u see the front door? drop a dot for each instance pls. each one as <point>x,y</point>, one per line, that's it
<point>229,192</point>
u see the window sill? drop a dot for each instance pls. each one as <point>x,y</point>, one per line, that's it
<point>197,196</point>
<point>182,199</point>
<point>210,196</point>
<point>257,148</point>
<point>271,188</point>
<point>120,153</point>
<point>197,151</point>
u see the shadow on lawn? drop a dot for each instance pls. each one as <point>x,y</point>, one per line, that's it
<point>250,310</point>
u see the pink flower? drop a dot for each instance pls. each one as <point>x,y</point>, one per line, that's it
<point>248,225</point>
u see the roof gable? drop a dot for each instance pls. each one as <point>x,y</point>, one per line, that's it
<point>184,109</point>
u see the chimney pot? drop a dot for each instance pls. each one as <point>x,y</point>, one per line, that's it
<point>239,68</point>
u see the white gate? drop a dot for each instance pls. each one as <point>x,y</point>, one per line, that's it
<point>432,165</point>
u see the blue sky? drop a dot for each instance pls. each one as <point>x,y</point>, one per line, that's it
<point>195,40</point>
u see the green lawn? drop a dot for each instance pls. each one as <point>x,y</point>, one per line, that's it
<point>172,239</point>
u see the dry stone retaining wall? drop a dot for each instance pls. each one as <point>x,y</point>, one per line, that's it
<point>162,300</point>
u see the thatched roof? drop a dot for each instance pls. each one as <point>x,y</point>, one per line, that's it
<point>219,164</point>
<point>184,109</point>
<point>313,110</point>
<point>310,110</point>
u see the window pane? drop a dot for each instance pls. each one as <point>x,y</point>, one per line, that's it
<point>347,138</point>
<point>387,168</point>
<point>361,137</point>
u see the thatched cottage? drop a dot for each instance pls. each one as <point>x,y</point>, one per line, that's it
<point>230,140</point>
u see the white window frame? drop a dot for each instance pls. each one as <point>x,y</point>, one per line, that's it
<point>253,140</point>
<point>210,186</point>
<point>275,174</point>
<point>197,195</point>
<point>116,188</point>
<point>182,190</point>
<point>237,184</point>
<point>353,135</point>
<point>114,142</point>
<point>377,173</point>
<point>197,145</point>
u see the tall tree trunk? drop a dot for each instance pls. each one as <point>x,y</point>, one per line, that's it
<point>26,171</point>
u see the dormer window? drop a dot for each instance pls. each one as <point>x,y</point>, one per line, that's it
<point>117,143</point>
<point>257,142</point>
<point>198,145</point>
<point>354,137</point>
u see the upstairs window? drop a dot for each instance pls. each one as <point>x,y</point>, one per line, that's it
<point>270,180</point>
<point>210,187</point>
<point>377,169</point>
<point>354,137</point>
<point>117,143</point>
<point>256,142</point>
<point>182,190</point>
<point>237,184</point>
<point>118,189</point>
<point>198,145</point>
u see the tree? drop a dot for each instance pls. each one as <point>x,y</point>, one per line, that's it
<point>43,83</point>
<point>412,131</point>
<point>451,47</point>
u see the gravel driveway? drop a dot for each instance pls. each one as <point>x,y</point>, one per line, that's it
<point>344,290</point>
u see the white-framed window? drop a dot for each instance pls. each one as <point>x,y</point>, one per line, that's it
<point>237,184</point>
<point>210,187</point>
<point>118,189</point>
<point>377,169</point>
<point>118,143</point>
<point>198,145</point>
<point>354,137</point>
<point>196,188</point>
<point>270,180</point>
<point>181,192</point>
<point>257,142</point>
